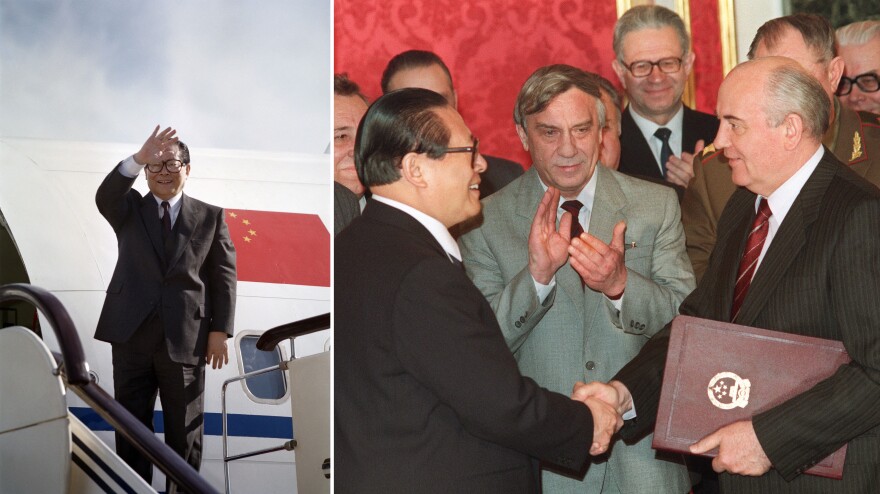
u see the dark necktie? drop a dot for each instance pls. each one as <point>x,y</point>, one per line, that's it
<point>665,151</point>
<point>166,219</point>
<point>749,262</point>
<point>456,262</point>
<point>574,207</point>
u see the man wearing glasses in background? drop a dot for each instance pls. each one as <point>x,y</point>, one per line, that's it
<point>574,306</point>
<point>170,304</point>
<point>859,47</point>
<point>659,135</point>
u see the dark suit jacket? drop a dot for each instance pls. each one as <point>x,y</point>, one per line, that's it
<point>820,277</point>
<point>193,290</point>
<point>636,158</point>
<point>345,207</point>
<point>499,173</point>
<point>427,396</point>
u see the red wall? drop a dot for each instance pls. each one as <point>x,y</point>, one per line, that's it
<point>492,46</point>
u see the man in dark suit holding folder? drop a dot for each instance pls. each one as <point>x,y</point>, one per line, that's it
<point>427,396</point>
<point>797,251</point>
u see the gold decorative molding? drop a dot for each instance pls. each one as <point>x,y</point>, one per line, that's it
<point>683,9</point>
<point>623,6</point>
<point>727,22</point>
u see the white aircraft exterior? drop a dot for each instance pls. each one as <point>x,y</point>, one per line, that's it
<point>47,191</point>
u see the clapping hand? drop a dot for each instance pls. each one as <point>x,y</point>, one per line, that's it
<point>680,171</point>
<point>548,246</point>
<point>600,265</point>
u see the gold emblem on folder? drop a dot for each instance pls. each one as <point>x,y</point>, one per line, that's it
<point>857,146</point>
<point>728,391</point>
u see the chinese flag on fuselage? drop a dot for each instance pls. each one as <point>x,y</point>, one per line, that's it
<point>285,248</point>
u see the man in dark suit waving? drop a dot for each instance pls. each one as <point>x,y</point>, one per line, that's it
<point>427,396</point>
<point>170,304</point>
<point>797,251</point>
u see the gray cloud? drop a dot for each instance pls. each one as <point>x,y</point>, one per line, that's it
<point>227,74</point>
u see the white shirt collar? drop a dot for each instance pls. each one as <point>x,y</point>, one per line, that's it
<point>675,124</point>
<point>782,198</point>
<point>587,196</point>
<point>437,230</point>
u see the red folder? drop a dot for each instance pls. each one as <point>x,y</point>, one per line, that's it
<point>718,373</point>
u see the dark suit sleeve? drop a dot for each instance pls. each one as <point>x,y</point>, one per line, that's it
<point>814,424</point>
<point>114,199</point>
<point>220,265</point>
<point>447,339</point>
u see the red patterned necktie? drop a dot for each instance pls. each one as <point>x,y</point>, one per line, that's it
<point>749,262</point>
<point>574,207</point>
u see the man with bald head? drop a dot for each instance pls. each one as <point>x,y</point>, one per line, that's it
<point>426,70</point>
<point>816,275</point>
<point>854,138</point>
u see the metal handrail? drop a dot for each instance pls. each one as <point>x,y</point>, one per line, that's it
<point>286,446</point>
<point>75,371</point>
<point>272,337</point>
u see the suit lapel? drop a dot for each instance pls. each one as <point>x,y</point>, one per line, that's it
<point>688,132</point>
<point>528,198</point>
<point>184,228</point>
<point>788,241</point>
<point>606,212</point>
<point>637,153</point>
<point>150,216</point>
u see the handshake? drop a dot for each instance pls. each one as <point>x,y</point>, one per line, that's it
<point>608,403</point>
<point>739,450</point>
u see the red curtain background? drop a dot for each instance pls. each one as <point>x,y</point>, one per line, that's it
<point>492,46</point>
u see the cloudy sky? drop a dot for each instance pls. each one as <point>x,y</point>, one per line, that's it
<point>226,73</point>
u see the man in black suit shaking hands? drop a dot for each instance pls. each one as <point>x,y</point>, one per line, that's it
<point>428,398</point>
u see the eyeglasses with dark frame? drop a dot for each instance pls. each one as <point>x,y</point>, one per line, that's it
<point>868,82</point>
<point>474,150</point>
<point>173,166</point>
<point>643,68</point>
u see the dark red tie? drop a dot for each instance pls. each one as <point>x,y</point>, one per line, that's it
<point>574,207</point>
<point>749,262</point>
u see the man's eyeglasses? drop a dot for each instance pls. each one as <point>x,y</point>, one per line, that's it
<point>474,150</point>
<point>643,68</point>
<point>173,166</point>
<point>868,83</point>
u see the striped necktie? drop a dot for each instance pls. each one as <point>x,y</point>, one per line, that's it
<point>749,262</point>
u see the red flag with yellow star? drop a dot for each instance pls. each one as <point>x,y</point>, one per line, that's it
<point>285,248</point>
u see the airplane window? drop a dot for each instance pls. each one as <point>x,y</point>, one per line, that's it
<point>269,386</point>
